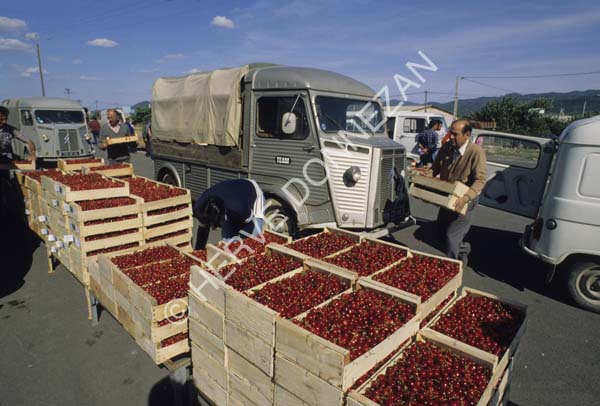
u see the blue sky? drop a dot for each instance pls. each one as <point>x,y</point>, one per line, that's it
<point>112,51</point>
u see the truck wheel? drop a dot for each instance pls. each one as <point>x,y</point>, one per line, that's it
<point>279,218</point>
<point>583,285</point>
<point>168,178</point>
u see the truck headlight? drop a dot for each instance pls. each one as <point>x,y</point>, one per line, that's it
<point>351,176</point>
<point>45,138</point>
<point>88,136</point>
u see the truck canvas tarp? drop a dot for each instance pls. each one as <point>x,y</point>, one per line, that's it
<point>203,108</point>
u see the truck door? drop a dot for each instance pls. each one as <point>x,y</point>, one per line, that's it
<point>277,158</point>
<point>517,171</point>
<point>411,127</point>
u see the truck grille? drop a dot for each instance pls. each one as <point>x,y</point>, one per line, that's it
<point>390,160</point>
<point>68,140</point>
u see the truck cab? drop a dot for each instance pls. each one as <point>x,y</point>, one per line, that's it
<point>57,127</point>
<point>404,126</point>
<point>554,182</point>
<point>315,141</point>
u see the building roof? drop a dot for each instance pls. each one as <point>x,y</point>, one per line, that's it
<point>287,77</point>
<point>418,107</point>
<point>43,102</point>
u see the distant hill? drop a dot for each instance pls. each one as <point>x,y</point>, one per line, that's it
<point>571,102</point>
<point>144,103</point>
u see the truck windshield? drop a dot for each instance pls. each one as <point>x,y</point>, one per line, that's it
<point>357,116</point>
<point>59,117</point>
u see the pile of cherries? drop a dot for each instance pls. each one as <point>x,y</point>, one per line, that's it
<point>103,236</point>
<point>160,271</point>
<point>113,249</point>
<point>151,191</point>
<point>372,371</point>
<point>420,275</point>
<point>258,269</point>
<point>87,205</point>
<point>482,322</point>
<point>83,161</point>
<point>367,257</point>
<point>252,245</point>
<point>169,289</point>
<point>88,181</point>
<point>200,254</point>
<point>358,321</point>
<point>174,339</point>
<point>149,255</point>
<point>295,295</point>
<point>165,236</point>
<point>37,175</point>
<point>322,244</point>
<point>428,375</point>
<point>109,167</point>
<point>172,319</point>
<point>110,220</point>
<point>167,210</point>
<point>437,310</point>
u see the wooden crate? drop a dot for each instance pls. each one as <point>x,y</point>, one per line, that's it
<point>283,397</point>
<point>331,362</point>
<point>164,203</point>
<point>108,171</point>
<point>109,242</point>
<point>173,240</point>
<point>160,354</point>
<point>441,200</point>
<point>216,369</point>
<point>65,193</point>
<point>150,219</point>
<point>185,223</point>
<point>80,230</point>
<point>419,178</point>
<point>250,325</point>
<point>425,308</point>
<point>357,397</point>
<point>24,165</point>
<point>209,389</point>
<point>67,165</point>
<point>120,140</point>
<point>500,363</point>
<point>326,230</point>
<point>75,212</point>
<point>202,337</point>
<point>221,249</point>
<point>502,390</point>
<point>208,316</point>
<point>247,382</point>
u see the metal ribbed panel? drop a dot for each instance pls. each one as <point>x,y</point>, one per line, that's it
<point>219,175</point>
<point>68,140</point>
<point>197,179</point>
<point>348,199</point>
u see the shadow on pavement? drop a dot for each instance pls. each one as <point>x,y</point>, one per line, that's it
<point>17,241</point>
<point>496,254</point>
<point>166,392</point>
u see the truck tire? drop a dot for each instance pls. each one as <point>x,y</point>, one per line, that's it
<point>168,178</point>
<point>280,218</point>
<point>583,285</point>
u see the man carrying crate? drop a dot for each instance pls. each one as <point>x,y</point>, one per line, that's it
<point>117,153</point>
<point>462,161</point>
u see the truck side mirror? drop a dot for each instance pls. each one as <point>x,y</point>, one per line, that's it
<point>288,123</point>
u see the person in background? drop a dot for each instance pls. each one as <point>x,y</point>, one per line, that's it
<point>463,161</point>
<point>428,142</point>
<point>7,134</point>
<point>147,137</point>
<point>117,153</point>
<point>236,205</point>
<point>94,127</point>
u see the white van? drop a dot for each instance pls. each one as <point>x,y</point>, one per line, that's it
<point>555,182</point>
<point>404,126</point>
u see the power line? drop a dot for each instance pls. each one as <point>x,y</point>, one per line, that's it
<point>490,86</point>
<point>553,75</point>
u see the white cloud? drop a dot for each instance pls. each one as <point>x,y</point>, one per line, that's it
<point>174,56</point>
<point>11,44</point>
<point>30,71</point>
<point>194,70</point>
<point>34,36</point>
<point>222,21</point>
<point>77,61</point>
<point>83,77</point>
<point>12,24</point>
<point>103,42</point>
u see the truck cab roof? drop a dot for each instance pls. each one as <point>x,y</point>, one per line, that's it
<point>582,132</point>
<point>288,77</point>
<point>42,103</point>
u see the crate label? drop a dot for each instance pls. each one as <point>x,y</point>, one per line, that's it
<point>54,203</point>
<point>67,208</point>
<point>60,244</point>
<point>77,242</point>
<point>74,227</point>
<point>51,237</point>
<point>42,219</point>
<point>68,238</point>
<point>27,212</point>
<point>44,231</point>
<point>53,250</point>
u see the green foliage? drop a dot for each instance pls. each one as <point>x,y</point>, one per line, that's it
<point>512,115</point>
<point>142,115</point>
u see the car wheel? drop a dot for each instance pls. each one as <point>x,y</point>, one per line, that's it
<point>279,218</point>
<point>168,178</point>
<point>583,285</point>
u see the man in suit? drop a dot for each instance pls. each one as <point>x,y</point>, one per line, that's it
<point>463,161</point>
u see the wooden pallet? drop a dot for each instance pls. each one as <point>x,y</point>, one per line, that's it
<point>64,192</point>
<point>108,171</point>
<point>330,362</point>
<point>250,325</point>
<point>500,363</point>
<point>66,165</point>
<point>425,308</point>
<point>357,397</point>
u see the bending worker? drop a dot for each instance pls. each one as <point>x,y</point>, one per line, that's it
<point>463,161</point>
<point>235,205</point>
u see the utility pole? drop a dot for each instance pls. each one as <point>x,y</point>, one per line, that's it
<point>425,101</point>
<point>583,112</point>
<point>455,112</point>
<point>39,58</point>
<point>96,105</point>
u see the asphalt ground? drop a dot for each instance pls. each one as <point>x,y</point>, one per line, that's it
<point>51,355</point>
